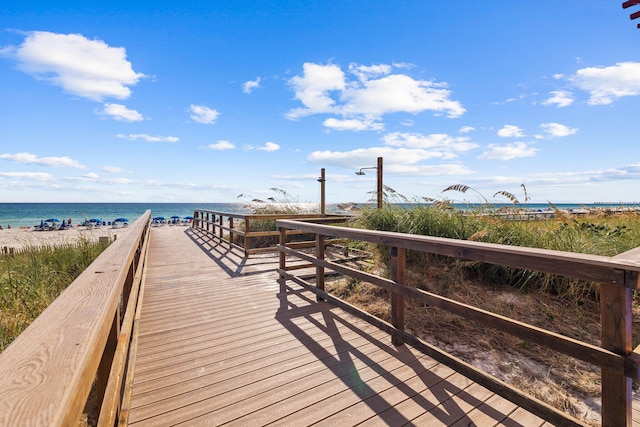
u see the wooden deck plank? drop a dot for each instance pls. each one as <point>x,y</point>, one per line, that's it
<point>290,383</point>
<point>521,417</point>
<point>236,366</point>
<point>220,345</point>
<point>491,411</point>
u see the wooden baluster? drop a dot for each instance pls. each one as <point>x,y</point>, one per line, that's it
<point>282,260</point>
<point>247,227</point>
<point>398,256</point>
<point>320,238</point>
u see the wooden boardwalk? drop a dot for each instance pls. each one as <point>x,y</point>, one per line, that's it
<point>219,345</point>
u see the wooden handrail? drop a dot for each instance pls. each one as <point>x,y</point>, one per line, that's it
<point>618,276</point>
<point>212,222</point>
<point>596,268</point>
<point>46,373</point>
<point>111,403</point>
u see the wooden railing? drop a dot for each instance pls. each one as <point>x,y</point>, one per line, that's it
<point>618,277</point>
<point>236,228</point>
<point>82,340</point>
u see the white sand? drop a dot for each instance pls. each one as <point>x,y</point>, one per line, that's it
<point>26,237</point>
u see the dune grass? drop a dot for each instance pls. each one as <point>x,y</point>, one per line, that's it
<point>604,233</point>
<point>32,279</point>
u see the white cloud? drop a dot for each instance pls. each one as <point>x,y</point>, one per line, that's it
<point>112,169</point>
<point>403,153</point>
<point>81,66</point>
<point>558,179</point>
<point>250,85</point>
<point>557,130</point>
<point>122,181</point>
<point>397,161</point>
<point>364,72</point>
<point>203,114</point>
<point>269,146</point>
<point>313,88</point>
<point>34,176</point>
<point>607,84</point>
<point>559,98</point>
<point>507,152</point>
<point>429,170</point>
<point>510,131</point>
<point>440,144</point>
<point>466,129</point>
<point>222,145</point>
<point>91,176</point>
<point>325,89</point>
<point>363,157</point>
<point>353,124</point>
<point>148,138</point>
<point>122,113</point>
<point>56,162</point>
<point>399,93</point>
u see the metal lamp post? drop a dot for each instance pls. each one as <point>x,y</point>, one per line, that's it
<point>379,172</point>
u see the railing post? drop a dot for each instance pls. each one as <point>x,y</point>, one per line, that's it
<point>247,228</point>
<point>398,256</point>
<point>208,219</point>
<point>615,315</point>
<point>320,238</point>
<point>282,260</point>
<point>221,224</point>
<point>230,229</point>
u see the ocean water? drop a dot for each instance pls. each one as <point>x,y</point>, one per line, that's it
<point>30,214</point>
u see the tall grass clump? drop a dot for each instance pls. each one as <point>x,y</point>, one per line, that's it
<point>31,280</point>
<point>597,234</point>
<point>280,204</point>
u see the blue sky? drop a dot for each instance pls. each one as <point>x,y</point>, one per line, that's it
<point>201,101</point>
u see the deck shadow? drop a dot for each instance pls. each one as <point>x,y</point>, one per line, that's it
<point>431,391</point>
<point>228,258</point>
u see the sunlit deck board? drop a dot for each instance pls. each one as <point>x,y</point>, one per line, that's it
<point>219,345</point>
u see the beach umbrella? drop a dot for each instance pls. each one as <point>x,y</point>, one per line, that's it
<point>95,220</point>
<point>175,216</point>
<point>121,220</point>
<point>52,220</point>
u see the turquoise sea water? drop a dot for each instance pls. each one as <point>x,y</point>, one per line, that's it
<point>30,214</point>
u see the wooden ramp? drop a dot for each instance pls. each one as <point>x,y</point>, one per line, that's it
<point>219,345</point>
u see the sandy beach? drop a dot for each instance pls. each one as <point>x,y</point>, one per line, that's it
<point>21,238</point>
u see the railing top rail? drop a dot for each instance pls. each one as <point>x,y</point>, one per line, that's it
<point>569,264</point>
<point>47,372</point>
<point>268,216</point>
<point>227,214</point>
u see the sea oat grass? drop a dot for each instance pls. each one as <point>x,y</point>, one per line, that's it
<point>31,280</point>
<point>600,233</point>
